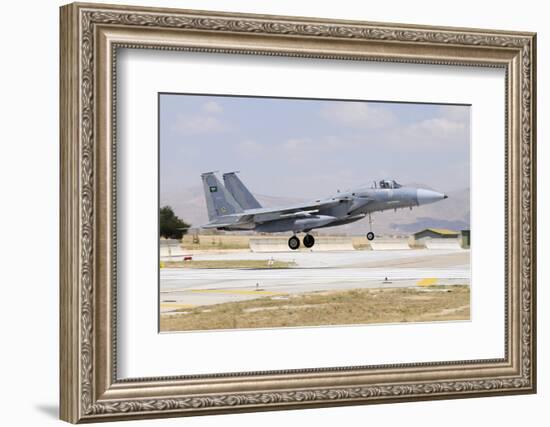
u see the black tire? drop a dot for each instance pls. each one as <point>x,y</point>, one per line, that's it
<point>309,241</point>
<point>293,243</point>
<point>370,235</point>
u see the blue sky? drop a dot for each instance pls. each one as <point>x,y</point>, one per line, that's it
<point>311,148</point>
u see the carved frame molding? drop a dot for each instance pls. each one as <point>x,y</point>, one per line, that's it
<point>90,36</point>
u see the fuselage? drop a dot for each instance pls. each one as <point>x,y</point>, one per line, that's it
<point>341,208</point>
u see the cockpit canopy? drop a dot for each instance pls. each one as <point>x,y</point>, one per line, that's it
<point>386,183</point>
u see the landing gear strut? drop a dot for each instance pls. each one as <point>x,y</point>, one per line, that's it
<point>309,240</point>
<point>294,243</point>
<point>370,234</point>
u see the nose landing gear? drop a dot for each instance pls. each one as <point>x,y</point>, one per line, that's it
<point>370,234</point>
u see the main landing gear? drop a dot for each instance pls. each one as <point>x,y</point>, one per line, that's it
<point>294,242</point>
<point>309,241</point>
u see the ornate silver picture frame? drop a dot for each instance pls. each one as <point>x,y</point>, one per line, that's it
<point>91,37</point>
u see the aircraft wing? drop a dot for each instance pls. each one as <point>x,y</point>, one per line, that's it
<point>228,221</point>
<point>297,211</point>
<point>262,215</point>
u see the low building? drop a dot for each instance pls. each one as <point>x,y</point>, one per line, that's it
<point>465,241</point>
<point>436,238</point>
<point>436,233</point>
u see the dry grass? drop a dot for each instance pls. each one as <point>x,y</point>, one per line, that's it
<point>360,306</point>
<point>360,243</point>
<point>236,263</point>
<point>216,242</point>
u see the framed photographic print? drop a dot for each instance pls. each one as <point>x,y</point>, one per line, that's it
<point>282,262</point>
<point>265,212</point>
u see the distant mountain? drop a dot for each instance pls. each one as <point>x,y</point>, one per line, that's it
<point>452,213</point>
<point>422,223</point>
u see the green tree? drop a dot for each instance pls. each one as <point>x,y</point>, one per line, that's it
<point>171,227</point>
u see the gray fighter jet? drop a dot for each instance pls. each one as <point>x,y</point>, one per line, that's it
<point>233,207</point>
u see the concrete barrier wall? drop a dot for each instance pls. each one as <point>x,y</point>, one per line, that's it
<point>389,244</point>
<point>280,244</point>
<point>443,244</point>
<point>171,250</point>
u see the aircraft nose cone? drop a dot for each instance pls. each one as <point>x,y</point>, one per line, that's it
<point>428,196</point>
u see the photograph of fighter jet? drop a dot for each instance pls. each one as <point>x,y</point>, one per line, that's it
<point>231,207</point>
<point>297,212</point>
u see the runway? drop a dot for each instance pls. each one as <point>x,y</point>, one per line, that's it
<point>341,258</point>
<point>183,287</point>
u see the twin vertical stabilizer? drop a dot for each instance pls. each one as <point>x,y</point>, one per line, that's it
<point>241,194</point>
<point>231,198</point>
<point>219,201</point>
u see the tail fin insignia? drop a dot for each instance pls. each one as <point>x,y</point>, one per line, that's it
<point>219,201</point>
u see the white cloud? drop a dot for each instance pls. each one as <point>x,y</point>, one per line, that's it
<point>205,121</point>
<point>439,127</point>
<point>327,145</point>
<point>449,130</point>
<point>296,144</point>
<point>212,107</point>
<point>199,124</point>
<point>250,147</point>
<point>457,113</point>
<point>429,135</point>
<point>359,114</point>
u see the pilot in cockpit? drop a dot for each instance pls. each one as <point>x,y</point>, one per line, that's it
<point>387,184</point>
